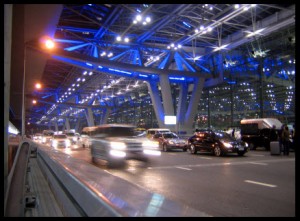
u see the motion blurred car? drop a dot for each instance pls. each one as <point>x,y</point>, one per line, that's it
<point>116,143</point>
<point>170,140</point>
<point>72,137</point>
<point>217,142</point>
<point>38,137</point>
<point>60,141</point>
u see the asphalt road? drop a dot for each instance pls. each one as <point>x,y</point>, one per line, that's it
<point>255,185</point>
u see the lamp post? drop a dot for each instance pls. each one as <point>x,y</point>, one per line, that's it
<point>23,94</point>
<point>49,44</point>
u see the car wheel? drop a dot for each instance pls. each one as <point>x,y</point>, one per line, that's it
<point>252,146</point>
<point>165,149</point>
<point>217,151</point>
<point>193,149</point>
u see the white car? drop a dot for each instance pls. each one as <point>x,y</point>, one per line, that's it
<point>60,141</point>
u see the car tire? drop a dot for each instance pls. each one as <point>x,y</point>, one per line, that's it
<point>165,148</point>
<point>252,146</point>
<point>193,149</point>
<point>217,151</point>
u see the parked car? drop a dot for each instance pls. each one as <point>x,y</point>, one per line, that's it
<point>115,143</point>
<point>169,140</point>
<point>60,141</point>
<point>217,142</point>
<point>152,131</point>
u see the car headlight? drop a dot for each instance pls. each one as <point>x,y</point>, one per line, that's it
<point>150,144</point>
<point>54,142</point>
<point>227,145</point>
<point>118,145</point>
<point>68,142</point>
<point>171,142</point>
<point>246,144</point>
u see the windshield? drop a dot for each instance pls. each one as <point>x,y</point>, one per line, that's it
<point>70,134</point>
<point>170,135</point>
<point>224,136</point>
<point>120,131</point>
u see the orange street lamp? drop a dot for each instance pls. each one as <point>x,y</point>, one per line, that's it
<point>38,86</point>
<point>48,44</point>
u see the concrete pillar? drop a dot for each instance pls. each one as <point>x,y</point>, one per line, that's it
<point>67,124</point>
<point>89,117</point>
<point>181,106</point>
<point>156,101</point>
<point>56,126</point>
<point>193,104</point>
<point>77,125</point>
<point>106,113</point>
<point>166,95</point>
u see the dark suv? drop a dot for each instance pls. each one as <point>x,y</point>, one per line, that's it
<point>217,142</point>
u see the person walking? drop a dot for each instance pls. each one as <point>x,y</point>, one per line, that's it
<point>273,134</point>
<point>285,140</point>
<point>280,137</point>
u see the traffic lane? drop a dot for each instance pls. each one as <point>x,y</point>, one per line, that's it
<point>217,185</point>
<point>176,175</point>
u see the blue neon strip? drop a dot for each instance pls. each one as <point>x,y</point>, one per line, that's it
<point>95,53</point>
<point>76,47</point>
<point>120,71</point>
<point>177,78</point>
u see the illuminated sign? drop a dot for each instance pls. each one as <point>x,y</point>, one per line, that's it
<point>170,120</point>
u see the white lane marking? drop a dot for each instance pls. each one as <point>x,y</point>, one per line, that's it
<point>257,155</point>
<point>259,163</point>
<point>183,168</point>
<point>208,158</point>
<point>259,183</point>
<point>222,164</point>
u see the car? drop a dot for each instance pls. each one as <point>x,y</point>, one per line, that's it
<point>60,141</point>
<point>152,131</point>
<point>47,136</point>
<point>116,143</point>
<point>170,140</point>
<point>72,136</point>
<point>217,142</point>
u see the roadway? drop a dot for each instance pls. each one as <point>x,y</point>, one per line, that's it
<point>255,185</point>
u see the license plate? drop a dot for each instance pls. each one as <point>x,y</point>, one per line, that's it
<point>241,148</point>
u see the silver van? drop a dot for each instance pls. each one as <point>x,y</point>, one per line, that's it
<point>115,143</point>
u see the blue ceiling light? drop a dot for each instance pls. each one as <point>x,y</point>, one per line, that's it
<point>186,24</point>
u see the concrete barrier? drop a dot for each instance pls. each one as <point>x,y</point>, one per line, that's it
<point>82,189</point>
